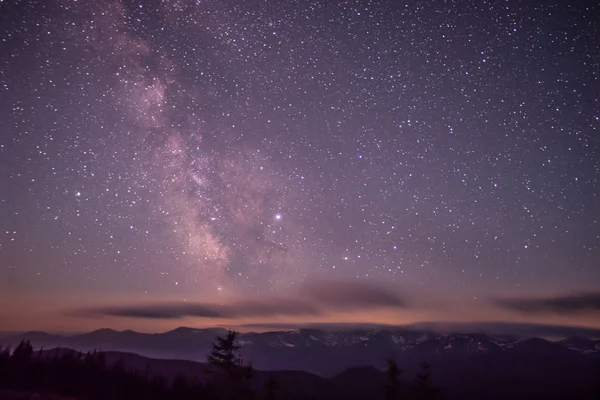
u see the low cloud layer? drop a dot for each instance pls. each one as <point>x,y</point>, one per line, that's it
<point>554,305</point>
<point>312,300</point>
<point>329,298</point>
<point>174,310</point>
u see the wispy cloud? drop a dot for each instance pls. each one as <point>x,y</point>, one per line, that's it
<point>311,300</point>
<point>558,305</point>
<point>173,310</point>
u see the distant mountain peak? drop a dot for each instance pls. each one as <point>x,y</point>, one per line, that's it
<point>185,330</point>
<point>104,330</point>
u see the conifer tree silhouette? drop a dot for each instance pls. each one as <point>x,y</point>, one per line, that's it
<point>23,351</point>
<point>424,389</point>
<point>225,351</point>
<point>270,387</point>
<point>392,387</point>
<point>225,354</point>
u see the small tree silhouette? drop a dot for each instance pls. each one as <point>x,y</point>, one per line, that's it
<point>270,387</point>
<point>392,386</point>
<point>424,390</point>
<point>225,355</point>
<point>23,351</point>
<point>225,352</point>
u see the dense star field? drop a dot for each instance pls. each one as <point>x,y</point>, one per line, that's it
<point>195,149</point>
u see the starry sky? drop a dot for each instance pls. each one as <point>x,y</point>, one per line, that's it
<point>188,151</point>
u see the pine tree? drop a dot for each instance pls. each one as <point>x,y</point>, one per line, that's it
<point>392,387</point>
<point>270,387</point>
<point>23,351</point>
<point>424,390</point>
<point>225,355</point>
<point>225,352</point>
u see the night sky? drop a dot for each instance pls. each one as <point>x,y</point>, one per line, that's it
<point>213,151</point>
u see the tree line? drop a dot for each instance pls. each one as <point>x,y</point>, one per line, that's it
<point>89,376</point>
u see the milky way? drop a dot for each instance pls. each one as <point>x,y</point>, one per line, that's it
<point>185,148</point>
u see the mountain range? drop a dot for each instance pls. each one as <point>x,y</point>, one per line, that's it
<point>322,352</point>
